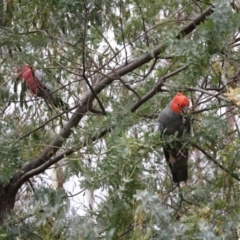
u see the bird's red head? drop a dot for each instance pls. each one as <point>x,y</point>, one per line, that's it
<point>179,102</point>
<point>23,71</point>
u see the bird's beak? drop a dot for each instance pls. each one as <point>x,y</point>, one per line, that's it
<point>185,110</point>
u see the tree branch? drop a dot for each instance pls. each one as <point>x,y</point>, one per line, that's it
<point>45,123</point>
<point>83,60</point>
<point>216,162</point>
<point>68,152</point>
<point>216,95</point>
<point>192,25</point>
<point>156,89</point>
<point>60,156</point>
<point>21,176</point>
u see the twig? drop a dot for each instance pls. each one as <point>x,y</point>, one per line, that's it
<point>83,60</point>
<point>143,24</point>
<point>156,88</point>
<point>123,40</point>
<point>44,124</point>
<point>217,95</point>
<point>216,162</point>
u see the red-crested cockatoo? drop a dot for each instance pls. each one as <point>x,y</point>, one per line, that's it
<point>33,79</point>
<point>173,121</point>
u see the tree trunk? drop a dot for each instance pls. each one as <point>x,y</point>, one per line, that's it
<point>7,201</point>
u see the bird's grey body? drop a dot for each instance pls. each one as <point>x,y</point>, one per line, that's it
<point>176,153</point>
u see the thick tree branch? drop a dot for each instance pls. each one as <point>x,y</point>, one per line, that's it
<point>21,176</point>
<point>68,152</point>
<point>60,156</point>
<point>192,25</point>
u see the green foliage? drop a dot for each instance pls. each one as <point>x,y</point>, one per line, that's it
<point>10,159</point>
<point>118,156</point>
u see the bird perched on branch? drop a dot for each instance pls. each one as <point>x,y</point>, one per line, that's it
<point>33,79</point>
<point>174,126</point>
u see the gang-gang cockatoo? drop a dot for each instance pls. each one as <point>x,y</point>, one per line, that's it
<point>173,121</point>
<point>33,79</point>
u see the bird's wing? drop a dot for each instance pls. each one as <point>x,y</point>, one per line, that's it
<point>40,76</point>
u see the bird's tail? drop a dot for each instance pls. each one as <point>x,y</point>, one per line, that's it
<point>56,102</point>
<point>177,161</point>
<point>179,175</point>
